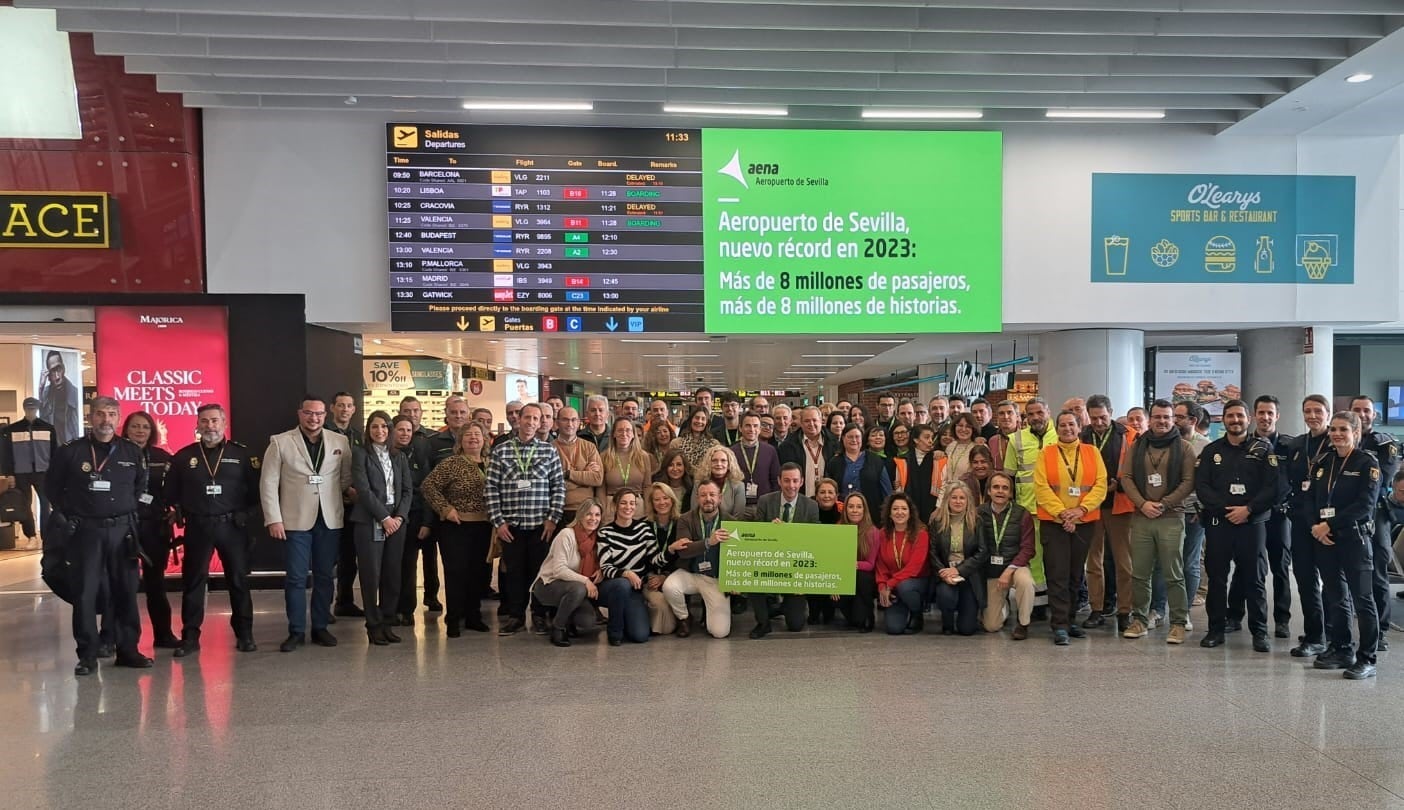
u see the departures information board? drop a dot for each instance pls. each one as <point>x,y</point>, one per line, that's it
<point>544,229</point>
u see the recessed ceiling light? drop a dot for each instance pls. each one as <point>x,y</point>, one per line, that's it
<point>1358,78</point>
<point>531,106</point>
<point>820,365</point>
<point>852,340</point>
<point>724,109</point>
<point>560,362</point>
<point>827,356</point>
<point>1091,113</point>
<point>421,351</point>
<point>575,368</point>
<point>659,340</point>
<point>684,357</point>
<point>894,112</point>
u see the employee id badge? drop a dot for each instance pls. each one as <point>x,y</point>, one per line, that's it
<point>145,498</point>
<point>214,489</point>
<point>1328,513</point>
<point>996,559</point>
<point>99,485</point>
<point>1155,480</point>
<point>704,567</point>
<point>751,490</point>
<point>524,483</point>
<point>1238,489</point>
<point>1075,492</point>
<point>314,479</point>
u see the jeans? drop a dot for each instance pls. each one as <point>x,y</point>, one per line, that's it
<point>1158,545</point>
<point>907,599</point>
<point>315,548</point>
<point>1193,552</point>
<point>960,608</point>
<point>628,615</point>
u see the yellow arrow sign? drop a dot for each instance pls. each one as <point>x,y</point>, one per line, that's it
<point>462,324</point>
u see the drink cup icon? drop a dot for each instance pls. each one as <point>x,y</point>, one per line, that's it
<point>1116,251</point>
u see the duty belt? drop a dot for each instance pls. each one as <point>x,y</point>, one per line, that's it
<point>224,518</point>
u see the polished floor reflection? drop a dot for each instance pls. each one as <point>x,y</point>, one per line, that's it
<point>818,718</point>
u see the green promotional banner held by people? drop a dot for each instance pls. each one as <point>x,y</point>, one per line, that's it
<point>846,232</point>
<point>799,558</point>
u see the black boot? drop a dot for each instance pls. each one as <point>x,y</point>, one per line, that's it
<point>558,637</point>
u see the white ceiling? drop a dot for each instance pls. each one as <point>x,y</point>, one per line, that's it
<point>1207,63</point>
<point>1250,67</point>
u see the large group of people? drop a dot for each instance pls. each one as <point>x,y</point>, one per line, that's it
<point>966,510</point>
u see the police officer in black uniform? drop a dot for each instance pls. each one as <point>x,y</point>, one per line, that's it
<point>1386,452</point>
<point>1345,490</point>
<point>1236,481</point>
<point>97,482</point>
<point>213,485</point>
<point>1266,409</point>
<point>1308,450</point>
<point>26,448</point>
<point>153,529</point>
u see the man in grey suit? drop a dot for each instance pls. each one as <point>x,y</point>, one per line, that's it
<point>785,506</point>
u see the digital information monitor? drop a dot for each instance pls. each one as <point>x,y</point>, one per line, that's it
<point>612,230</point>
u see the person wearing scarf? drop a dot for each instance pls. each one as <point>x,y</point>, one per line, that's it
<point>1157,478</point>
<point>569,577</point>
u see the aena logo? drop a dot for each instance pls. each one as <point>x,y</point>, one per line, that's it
<point>733,170</point>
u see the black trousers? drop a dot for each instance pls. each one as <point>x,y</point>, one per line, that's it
<point>821,609</point>
<point>346,563</point>
<point>793,606</point>
<point>1243,548</point>
<point>104,558</point>
<point>860,608</point>
<point>517,568</point>
<point>25,482</point>
<point>415,550</point>
<point>379,566</point>
<point>155,553</point>
<point>1381,552</point>
<point>1064,557</point>
<point>203,537</point>
<point>465,548</point>
<point>1305,562</point>
<point>1347,574</point>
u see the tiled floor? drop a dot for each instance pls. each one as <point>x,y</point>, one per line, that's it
<point>815,719</point>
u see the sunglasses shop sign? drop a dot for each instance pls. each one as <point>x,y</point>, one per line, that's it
<point>393,373</point>
<point>1223,229</point>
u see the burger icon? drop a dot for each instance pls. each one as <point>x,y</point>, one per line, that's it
<point>1184,392</point>
<point>1220,255</point>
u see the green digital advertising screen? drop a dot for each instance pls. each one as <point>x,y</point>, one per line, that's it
<point>846,232</point>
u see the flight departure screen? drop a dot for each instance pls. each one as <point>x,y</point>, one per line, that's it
<point>544,229</point>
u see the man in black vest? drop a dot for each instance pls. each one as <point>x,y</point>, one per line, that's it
<point>26,448</point>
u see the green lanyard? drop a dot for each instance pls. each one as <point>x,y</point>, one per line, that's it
<point>1106,437</point>
<point>751,461</point>
<point>525,466</point>
<point>1000,527</point>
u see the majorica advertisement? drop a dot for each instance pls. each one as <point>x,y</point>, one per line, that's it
<point>166,361</point>
<point>1217,229</point>
<point>843,232</point>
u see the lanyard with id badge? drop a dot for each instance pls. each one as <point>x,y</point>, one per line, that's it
<point>213,488</point>
<point>704,565</point>
<point>1074,491</point>
<point>524,467</point>
<point>96,483</point>
<point>1332,480</point>
<point>999,529</point>
<point>316,478</point>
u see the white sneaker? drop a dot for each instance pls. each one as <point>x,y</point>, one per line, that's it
<point>1189,625</point>
<point>1153,621</point>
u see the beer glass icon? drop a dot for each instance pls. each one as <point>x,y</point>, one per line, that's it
<point>1116,251</point>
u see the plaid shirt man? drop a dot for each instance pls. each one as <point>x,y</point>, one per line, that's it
<point>525,484</point>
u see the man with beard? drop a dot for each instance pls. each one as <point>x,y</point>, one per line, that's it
<point>1021,457</point>
<point>213,485</point>
<point>1109,556</point>
<point>1236,481</point>
<point>95,483</point>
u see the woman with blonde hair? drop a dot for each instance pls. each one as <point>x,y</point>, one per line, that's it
<point>959,552</point>
<point>455,492</point>
<point>661,511</point>
<point>626,464</point>
<point>570,576</point>
<point>719,466</point>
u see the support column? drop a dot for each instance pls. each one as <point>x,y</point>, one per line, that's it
<point>927,390</point>
<point>1275,362</point>
<point>1082,362</point>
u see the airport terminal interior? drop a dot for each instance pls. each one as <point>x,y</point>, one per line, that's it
<point>1128,272</point>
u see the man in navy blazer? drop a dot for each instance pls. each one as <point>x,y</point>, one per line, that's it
<point>785,506</point>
